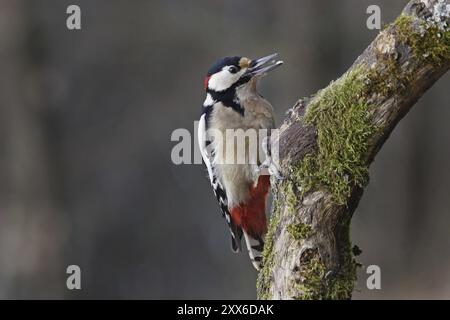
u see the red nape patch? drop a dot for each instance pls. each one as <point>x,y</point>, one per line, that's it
<point>251,216</point>
<point>206,82</point>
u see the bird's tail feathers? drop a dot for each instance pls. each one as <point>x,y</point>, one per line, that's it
<point>255,248</point>
<point>236,238</point>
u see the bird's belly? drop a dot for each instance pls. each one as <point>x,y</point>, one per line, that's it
<point>237,151</point>
<point>237,180</point>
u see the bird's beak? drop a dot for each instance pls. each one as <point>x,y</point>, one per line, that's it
<point>263,65</point>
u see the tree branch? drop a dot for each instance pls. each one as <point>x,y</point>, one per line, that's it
<point>328,142</point>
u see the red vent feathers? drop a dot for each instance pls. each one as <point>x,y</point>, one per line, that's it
<point>251,216</point>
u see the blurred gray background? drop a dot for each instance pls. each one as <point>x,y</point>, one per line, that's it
<point>85,171</point>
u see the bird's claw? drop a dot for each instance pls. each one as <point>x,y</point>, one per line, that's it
<point>269,167</point>
<point>273,170</point>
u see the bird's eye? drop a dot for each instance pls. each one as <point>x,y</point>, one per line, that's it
<point>233,69</point>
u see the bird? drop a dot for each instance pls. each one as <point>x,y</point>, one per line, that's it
<point>233,103</point>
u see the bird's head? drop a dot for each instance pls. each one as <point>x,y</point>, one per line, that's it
<point>231,72</point>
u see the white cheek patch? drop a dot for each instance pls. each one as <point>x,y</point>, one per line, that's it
<point>224,79</point>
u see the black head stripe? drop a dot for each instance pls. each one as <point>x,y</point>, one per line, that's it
<point>227,61</point>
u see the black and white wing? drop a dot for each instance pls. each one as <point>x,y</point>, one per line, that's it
<point>207,153</point>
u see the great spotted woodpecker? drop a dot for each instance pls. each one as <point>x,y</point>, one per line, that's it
<point>232,102</point>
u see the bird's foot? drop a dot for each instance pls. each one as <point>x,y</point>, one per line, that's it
<point>270,168</point>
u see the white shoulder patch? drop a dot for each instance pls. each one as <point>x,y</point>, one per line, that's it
<point>209,101</point>
<point>202,145</point>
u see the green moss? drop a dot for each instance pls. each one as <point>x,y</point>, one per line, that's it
<point>265,275</point>
<point>387,81</point>
<point>312,287</point>
<point>317,287</point>
<point>426,41</point>
<point>316,280</point>
<point>318,283</point>
<point>291,199</point>
<point>341,287</point>
<point>429,44</point>
<point>299,231</point>
<point>342,284</point>
<point>343,122</point>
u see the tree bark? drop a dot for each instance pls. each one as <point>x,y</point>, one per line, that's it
<point>326,146</point>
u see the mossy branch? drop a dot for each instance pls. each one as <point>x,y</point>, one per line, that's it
<point>326,146</point>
